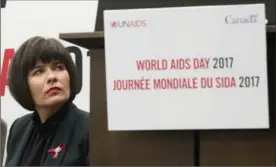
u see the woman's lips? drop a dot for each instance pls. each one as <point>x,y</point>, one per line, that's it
<point>53,90</point>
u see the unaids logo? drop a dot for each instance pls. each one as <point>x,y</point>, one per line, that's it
<point>128,24</point>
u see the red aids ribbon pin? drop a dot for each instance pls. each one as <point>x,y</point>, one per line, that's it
<point>57,150</point>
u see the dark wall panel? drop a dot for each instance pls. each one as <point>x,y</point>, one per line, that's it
<point>3,3</point>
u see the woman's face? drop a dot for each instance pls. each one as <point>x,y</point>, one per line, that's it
<point>49,84</point>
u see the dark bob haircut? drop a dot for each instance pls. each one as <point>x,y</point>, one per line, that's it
<point>34,50</point>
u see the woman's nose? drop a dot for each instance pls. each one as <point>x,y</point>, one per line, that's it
<point>51,76</point>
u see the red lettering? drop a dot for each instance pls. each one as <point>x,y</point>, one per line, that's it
<point>225,82</point>
<point>150,65</point>
<point>175,83</point>
<point>137,23</point>
<point>8,55</point>
<point>201,63</point>
<point>131,84</point>
<point>180,64</point>
<point>206,82</point>
<point>140,23</point>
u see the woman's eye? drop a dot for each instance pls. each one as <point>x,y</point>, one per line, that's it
<point>37,72</point>
<point>59,67</point>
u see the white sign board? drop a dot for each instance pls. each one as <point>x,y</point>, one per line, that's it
<point>187,68</point>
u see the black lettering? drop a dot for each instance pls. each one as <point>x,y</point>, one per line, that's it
<point>223,62</point>
<point>247,81</point>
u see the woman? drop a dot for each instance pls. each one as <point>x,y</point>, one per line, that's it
<point>3,137</point>
<point>43,78</point>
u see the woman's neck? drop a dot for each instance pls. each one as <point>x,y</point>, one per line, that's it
<point>46,112</point>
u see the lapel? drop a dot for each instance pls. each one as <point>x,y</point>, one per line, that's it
<point>63,135</point>
<point>22,144</point>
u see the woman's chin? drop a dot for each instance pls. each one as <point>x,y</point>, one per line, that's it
<point>55,100</point>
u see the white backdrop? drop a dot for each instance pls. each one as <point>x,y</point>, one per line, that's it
<point>23,19</point>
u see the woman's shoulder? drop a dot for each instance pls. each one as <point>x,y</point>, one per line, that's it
<point>81,114</point>
<point>23,119</point>
<point>20,123</point>
<point>82,119</point>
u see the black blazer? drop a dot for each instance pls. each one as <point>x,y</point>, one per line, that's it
<point>73,132</point>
